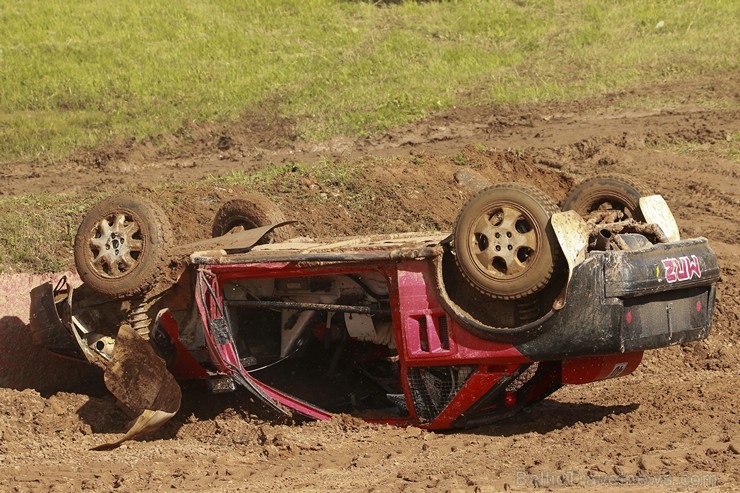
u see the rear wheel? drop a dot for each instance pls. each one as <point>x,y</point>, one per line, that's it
<point>251,211</point>
<point>121,245</point>
<point>504,244</point>
<point>605,193</point>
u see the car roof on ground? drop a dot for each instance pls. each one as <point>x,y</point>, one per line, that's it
<point>356,248</point>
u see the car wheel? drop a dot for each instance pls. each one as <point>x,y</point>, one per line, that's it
<point>251,211</point>
<point>607,193</point>
<point>504,244</point>
<point>121,245</point>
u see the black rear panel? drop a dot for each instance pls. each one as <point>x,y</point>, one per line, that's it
<point>629,301</point>
<point>667,318</point>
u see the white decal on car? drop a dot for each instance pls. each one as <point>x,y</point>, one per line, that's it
<point>681,269</point>
<point>617,370</point>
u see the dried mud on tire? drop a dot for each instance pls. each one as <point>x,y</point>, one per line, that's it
<point>671,426</point>
<point>122,230</point>
<point>506,272</point>
<point>250,211</point>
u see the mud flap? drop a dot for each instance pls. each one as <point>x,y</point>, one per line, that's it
<point>656,211</point>
<point>572,234</point>
<point>139,379</point>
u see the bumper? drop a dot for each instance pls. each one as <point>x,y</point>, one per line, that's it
<point>46,326</point>
<point>621,302</point>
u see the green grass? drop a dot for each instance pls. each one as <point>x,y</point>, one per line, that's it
<point>79,74</point>
<point>37,231</point>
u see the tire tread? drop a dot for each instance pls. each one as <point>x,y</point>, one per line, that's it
<point>550,207</point>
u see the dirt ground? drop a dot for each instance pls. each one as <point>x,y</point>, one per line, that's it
<point>674,425</point>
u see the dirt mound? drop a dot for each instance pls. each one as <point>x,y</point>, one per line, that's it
<point>673,425</point>
<point>371,196</point>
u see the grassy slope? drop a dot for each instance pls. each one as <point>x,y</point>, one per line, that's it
<point>37,230</point>
<point>82,73</point>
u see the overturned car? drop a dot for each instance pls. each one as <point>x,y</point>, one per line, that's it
<point>434,330</point>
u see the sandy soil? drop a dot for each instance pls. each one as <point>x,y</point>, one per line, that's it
<point>674,425</point>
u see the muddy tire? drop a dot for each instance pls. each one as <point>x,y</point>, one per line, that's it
<point>604,193</point>
<point>504,244</point>
<point>122,244</point>
<point>251,211</point>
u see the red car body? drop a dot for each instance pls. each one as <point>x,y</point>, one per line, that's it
<point>386,329</point>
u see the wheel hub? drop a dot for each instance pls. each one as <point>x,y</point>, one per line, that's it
<point>115,246</point>
<point>505,242</point>
<point>115,243</point>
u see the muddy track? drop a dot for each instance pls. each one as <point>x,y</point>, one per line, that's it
<point>672,426</point>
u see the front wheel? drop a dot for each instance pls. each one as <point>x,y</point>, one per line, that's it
<point>121,245</point>
<point>251,211</point>
<point>504,244</point>
<point>605,193</point>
